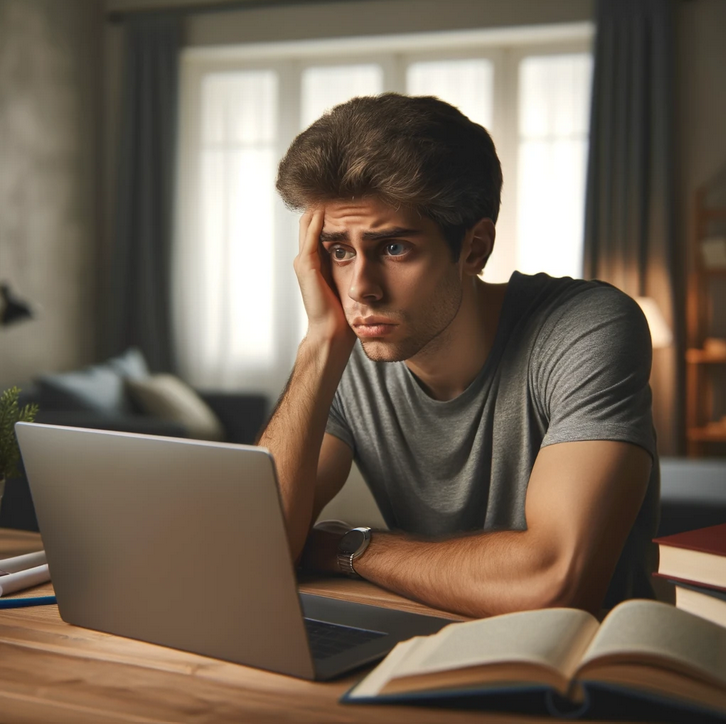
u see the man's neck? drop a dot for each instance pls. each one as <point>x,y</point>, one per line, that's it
<point>450,363</point>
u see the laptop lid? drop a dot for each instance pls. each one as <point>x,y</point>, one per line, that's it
<point>171,541</point>
<point>182,543</point>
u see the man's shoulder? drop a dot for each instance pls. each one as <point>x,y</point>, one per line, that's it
<point>550,318</point>
<point>544,286</point>
<point>553,298</point>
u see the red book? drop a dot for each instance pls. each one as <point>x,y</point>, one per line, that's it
<point>719,591</point>
<point>698,556</point>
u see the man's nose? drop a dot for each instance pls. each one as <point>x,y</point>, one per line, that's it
<point>364,283</point>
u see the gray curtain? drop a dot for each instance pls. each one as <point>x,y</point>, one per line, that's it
<point>629,225</point>
<point>140,257</point>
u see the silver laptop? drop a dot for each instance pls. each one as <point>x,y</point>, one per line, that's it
<point>182,543</point>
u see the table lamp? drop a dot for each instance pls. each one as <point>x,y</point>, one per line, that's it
<point>13,309</point>
<point>660,332</point>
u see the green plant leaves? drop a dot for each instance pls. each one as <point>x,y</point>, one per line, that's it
<point>10,413</point>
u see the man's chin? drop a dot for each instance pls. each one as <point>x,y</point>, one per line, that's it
<point>379,351</point>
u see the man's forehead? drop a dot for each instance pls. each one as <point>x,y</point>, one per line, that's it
<point>380,234</point>
<point>370,215</point>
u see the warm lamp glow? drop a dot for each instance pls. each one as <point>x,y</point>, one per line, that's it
<point>660,332</point>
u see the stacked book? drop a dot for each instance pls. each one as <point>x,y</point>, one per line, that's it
<point>695,562</point>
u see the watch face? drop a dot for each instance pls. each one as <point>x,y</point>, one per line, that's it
<point>351,542</point>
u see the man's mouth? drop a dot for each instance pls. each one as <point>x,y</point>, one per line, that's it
<point>373,326</point>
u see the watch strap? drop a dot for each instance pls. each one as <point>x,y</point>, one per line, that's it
<point>345,564</point>
<point>345,559</point>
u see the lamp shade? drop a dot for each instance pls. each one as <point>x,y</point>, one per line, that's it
<point>660,332</point>
<point>12,309</point>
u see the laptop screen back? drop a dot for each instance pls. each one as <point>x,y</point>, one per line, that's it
<point>176,542</point>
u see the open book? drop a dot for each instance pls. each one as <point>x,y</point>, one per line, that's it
<point>647,660</point>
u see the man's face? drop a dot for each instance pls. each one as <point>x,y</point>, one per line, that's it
<point>395,277</point>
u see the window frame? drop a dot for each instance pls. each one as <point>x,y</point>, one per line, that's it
<point>505,48</point>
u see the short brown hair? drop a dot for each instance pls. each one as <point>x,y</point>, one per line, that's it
<point>417,152</point>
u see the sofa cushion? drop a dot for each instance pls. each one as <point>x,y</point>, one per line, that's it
<point>98,388</point>
<point>130,364</point>
<point>169,398</point>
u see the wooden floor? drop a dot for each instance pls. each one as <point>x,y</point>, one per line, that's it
<point>55,673</point>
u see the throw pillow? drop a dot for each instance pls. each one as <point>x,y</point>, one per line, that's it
<point>169,398</point>
<point>99,388</point>
<point>130,364</point>
<point>95,389</point>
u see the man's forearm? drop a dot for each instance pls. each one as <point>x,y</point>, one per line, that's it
<point>477,575</point>
<point>295,432</point>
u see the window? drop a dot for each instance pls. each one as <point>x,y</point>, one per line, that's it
<point>238,313</point>
<point>327,86</point>
<point>466,84</point>
<point>554,94</point>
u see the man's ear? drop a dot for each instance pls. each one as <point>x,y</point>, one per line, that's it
<point>478,246</point>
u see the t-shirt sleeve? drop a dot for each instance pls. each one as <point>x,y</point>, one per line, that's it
<point>591,367</point>
<point>337,424</point>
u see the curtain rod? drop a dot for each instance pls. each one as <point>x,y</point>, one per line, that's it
<point>118,16</point>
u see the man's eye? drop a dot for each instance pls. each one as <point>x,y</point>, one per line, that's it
<point>395,249</point>
<point>340,254</point>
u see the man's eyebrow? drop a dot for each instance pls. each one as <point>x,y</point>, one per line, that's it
<point>395,232</point>
<point>333,236</point>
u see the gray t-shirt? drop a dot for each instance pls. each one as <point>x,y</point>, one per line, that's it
<point>570,361</point>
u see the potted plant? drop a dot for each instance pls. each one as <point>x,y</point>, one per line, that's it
<point>10,413</point>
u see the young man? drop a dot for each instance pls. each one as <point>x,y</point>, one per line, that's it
<point>504,430</point>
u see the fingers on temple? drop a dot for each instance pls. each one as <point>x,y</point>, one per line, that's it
<point>303,228</point>
<point>311,224</point>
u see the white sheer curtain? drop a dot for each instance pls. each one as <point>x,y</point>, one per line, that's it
<point>554,103</point>
<point>225,290</point>
<point>237,319</point>
<point>466,84</point>
<point>326,86</point>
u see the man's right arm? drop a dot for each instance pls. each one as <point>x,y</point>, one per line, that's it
<point>311,466</point>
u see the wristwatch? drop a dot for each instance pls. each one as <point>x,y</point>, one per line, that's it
<point>351,546</point>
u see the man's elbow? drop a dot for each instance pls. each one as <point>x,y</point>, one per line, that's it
<point>550,575</point>
<point>557,577</point>
<point>568,583</point>
<point>551,582</point>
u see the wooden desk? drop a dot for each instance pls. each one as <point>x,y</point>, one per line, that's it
<point>55,673</point>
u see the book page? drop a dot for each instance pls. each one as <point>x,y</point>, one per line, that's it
<point>650,631</point>
<point>553,639</point>
<point>372,684</point>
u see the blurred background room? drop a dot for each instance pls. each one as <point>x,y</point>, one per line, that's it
<point>146,260</point>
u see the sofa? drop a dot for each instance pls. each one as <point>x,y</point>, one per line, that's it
<point>122,394</point>
<point>692,493</point>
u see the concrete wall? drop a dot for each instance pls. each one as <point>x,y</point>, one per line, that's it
<point>49,123</point>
